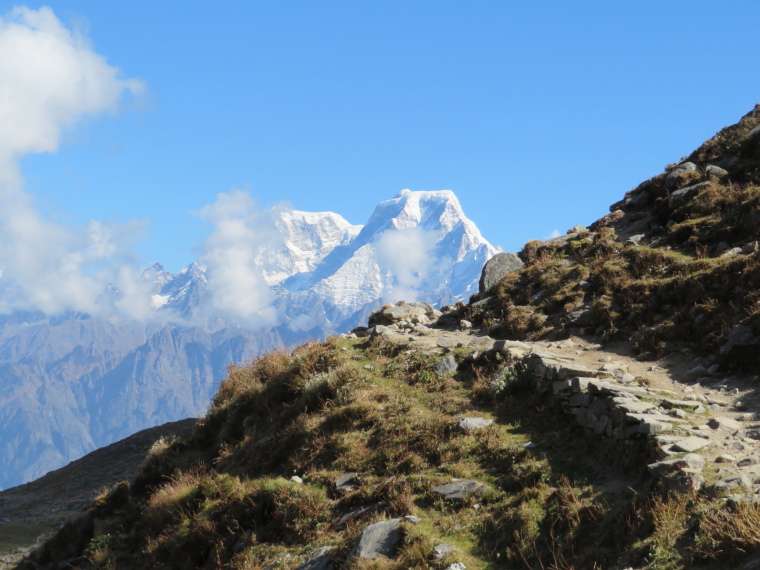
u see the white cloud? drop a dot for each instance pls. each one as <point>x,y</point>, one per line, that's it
<point>408,256</point>
<point>236,283</point>
<point>552,235</point>
<point>50,77</point>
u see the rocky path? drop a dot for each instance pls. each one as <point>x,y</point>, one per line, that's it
<point>704,425</point>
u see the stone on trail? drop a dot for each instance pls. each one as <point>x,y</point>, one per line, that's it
<point>726,424</point>
<point>378,539</point>
<point>690,444</point>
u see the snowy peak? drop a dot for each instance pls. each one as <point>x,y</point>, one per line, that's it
<point>419,245</point>
<point>306,239</point>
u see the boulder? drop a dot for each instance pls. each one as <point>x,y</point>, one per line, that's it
<point>447,365</point>
<point>672,178</point>
<point>496,268</point>
<point>687,192</point>
<point>715,171</point>
<point>740,335</point>
<point>378,539</point>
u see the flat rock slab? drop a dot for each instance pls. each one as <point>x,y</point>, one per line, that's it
<point>633,405</point>
<point>468,425</point>
<point>690,444</point>
<point>378,539</point>
<point>319,560</point>
<point>458,490</point>
<point>689,405</point>
<point>726,424</point>
<point>609,388</point>
<point>570,370</point>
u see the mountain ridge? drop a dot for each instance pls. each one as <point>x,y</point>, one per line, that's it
<point>85,381</point>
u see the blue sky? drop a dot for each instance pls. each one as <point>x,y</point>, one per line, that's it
<point>537,114</point>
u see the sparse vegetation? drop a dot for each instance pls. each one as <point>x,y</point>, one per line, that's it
<point>255,484</point>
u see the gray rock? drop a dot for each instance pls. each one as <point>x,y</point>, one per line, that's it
<point>319,560</point>
<point>458,490</point>
<point>725,424</point>
<point>391,315</point>
<point>581,317</point>
<point>695,373</point>
<point>347,481</point>
<point>456,566</point>
<point>496,268</point>
<point>412,519</point>
<point>685,193</point>
<point>464,325</point>
<point>637,200</point>
<point>378,539</point>
<point>358,513</point>
<point>732,483</point>
<point>379,330</point>
<point>672,177</point>
<point>749,460</point>
<point>732,251</point>
<point>725,458</point>
<point>440,551</point>
<point>715,171</point>
<point>637,239</point>
<point>690,444</point>
<point>468,425</point>
<point>740,335</point>
<point>447,365</point>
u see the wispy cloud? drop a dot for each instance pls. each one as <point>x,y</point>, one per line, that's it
<point>237,287</point>
<point>408,256</point>
<point>51,77</point>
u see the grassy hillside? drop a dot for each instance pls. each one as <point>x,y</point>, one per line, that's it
<point>305,450</point>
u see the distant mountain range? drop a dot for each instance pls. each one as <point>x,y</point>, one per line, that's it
<point>74,382</point>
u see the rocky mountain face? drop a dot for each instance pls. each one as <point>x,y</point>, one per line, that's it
<point>73,383</point>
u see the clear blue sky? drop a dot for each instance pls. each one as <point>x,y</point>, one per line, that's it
<point>537,114</point>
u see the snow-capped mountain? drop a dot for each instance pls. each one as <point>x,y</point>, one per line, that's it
<point>76,382</point>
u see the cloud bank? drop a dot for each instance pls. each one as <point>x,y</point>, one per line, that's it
<point>408,256</point>
<point>51,77</point>
<point>237,286</point>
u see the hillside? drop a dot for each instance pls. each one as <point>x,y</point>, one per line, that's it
<point>593,406</point>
